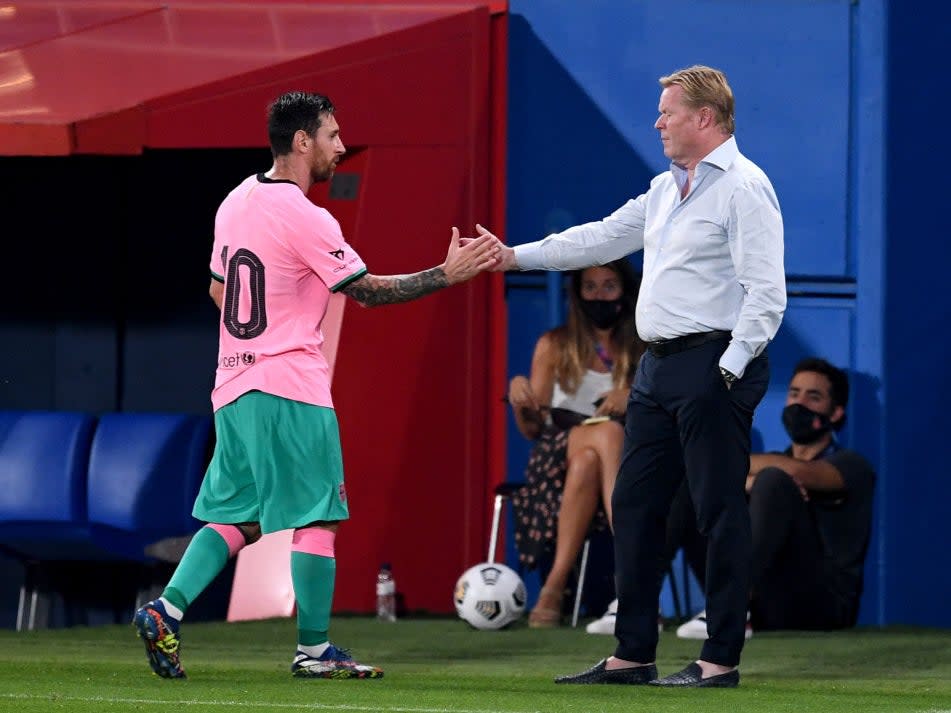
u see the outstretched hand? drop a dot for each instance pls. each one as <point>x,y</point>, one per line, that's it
<point>506,255</point>
<point>467,258</point>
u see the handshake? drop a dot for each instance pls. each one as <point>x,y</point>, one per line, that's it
<point>467,257</point>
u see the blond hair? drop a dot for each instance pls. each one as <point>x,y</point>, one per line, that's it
<point>705,86</point>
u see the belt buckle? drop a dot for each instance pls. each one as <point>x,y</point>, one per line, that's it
<point>659,347</point>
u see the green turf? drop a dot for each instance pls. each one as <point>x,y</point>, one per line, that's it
<point>440,665</point>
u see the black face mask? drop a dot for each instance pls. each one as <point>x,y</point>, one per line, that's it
<point>798,421</point>
<point>602,313</point>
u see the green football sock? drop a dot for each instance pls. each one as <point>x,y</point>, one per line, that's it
<point>313,577</point>
<point>206,556</point>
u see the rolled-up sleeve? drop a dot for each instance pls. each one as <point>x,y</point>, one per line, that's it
<point>595,243</point>
<point>756,246</point>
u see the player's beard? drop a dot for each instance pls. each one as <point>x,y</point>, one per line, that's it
<point>323,173</point>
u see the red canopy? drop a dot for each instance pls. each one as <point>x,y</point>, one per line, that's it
<point>86,76</point>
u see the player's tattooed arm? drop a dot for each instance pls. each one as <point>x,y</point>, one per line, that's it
<point>374,290</point>
<point>465,260</point>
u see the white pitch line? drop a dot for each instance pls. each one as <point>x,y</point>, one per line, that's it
<point>245,704</point>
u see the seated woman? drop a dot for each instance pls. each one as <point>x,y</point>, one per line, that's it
<point>572,405</point>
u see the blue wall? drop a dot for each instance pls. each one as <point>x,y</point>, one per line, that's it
<point>823,106</point>
<point>917,314</point>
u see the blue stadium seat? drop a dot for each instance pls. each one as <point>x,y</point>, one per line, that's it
<point>43,465</point>
<point>144,472</point>
<point>43,461</point>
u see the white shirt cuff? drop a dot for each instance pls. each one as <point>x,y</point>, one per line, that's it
<point>529,257</point>
<point>735,359</point>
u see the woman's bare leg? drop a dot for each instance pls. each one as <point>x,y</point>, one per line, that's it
<point>607,442</point>
<point>594,456</point>
<point>579,502</point>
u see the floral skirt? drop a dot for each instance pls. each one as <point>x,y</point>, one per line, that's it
<point>536,503</point>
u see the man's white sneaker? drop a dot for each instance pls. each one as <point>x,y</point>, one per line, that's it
<point>604,625</point>
<point>696,628</point>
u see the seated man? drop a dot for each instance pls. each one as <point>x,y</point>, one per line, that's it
<point>811,515</point>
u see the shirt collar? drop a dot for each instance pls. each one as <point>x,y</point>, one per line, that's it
<point>722,157</point>
<point>679,173</point>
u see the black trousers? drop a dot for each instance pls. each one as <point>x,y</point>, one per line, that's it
<point>682,421</point>
<point>682,534</point>
<point>794,581</point>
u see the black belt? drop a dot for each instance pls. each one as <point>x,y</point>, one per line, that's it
<point>666,347</point>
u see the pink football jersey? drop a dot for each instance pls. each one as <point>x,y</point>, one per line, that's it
<point>279,256</point>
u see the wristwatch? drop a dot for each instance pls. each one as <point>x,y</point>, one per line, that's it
<point>728,377</point>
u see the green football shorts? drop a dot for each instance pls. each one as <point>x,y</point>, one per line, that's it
<point>277,462</point>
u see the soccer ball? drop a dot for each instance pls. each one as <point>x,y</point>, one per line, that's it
<point>489,596</point>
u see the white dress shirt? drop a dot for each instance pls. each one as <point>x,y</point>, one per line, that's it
<point>712,261</point>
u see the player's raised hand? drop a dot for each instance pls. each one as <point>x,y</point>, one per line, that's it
<point>467,258</point>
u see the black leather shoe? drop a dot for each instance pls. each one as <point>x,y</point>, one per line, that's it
<point>692,677</point>
<point>633,676</point>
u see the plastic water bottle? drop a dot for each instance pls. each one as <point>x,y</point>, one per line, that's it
<point>385,594</point>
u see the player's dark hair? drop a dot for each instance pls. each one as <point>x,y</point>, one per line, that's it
<point>293,112</point>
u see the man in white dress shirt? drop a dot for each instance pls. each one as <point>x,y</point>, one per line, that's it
<point>712,297</point>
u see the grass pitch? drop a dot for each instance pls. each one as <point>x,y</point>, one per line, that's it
<point>442,666</point>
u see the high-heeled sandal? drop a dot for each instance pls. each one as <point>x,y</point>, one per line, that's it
<point>542,617</point>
